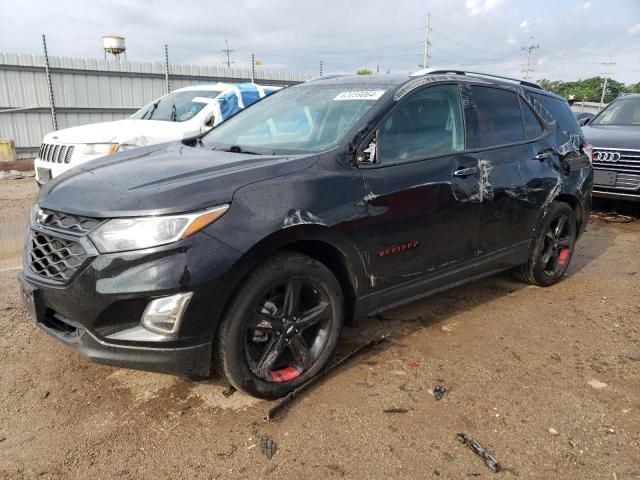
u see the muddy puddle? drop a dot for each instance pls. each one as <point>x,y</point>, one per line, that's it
<point>12,233</point>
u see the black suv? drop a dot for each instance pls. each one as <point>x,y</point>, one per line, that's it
<point>615,136</point>
<point>250,247</point>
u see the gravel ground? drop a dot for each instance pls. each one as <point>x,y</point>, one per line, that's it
<point>548,380</point>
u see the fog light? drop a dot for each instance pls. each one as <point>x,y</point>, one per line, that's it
<point>163,315</point>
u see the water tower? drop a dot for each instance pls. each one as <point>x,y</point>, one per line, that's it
<point>114,45</point>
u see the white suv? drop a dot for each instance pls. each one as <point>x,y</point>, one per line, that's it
<point>180,114</point>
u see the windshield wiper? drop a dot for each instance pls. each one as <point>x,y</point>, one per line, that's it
<point>238,149</point>
<point>173,111</point>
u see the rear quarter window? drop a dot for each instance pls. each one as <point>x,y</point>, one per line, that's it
<point>561,113</point>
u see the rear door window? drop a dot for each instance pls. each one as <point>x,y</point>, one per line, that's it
<point>494,117</point>
<point>532,127</point>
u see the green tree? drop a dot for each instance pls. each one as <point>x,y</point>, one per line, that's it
<point>589,89</point>
<point>364,71</point>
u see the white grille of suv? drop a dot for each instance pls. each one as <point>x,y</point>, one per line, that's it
<point>55,153</point>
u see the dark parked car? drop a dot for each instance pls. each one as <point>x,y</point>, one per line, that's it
<point>615,136</point>
<point>250,247</point>
<point>583,117</point>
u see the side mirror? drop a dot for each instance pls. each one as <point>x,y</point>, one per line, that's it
<point>369,155</point>
<point>583,121</point>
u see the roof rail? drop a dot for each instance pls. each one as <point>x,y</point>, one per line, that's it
<point>457,71</point>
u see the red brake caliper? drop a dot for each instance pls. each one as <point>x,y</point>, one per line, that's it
<point>563,258</point>
<point>284,374</point>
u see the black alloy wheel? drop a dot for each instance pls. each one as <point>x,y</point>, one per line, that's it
<point>287,331</point>
<point>552,247</point>
<point>281,326</point>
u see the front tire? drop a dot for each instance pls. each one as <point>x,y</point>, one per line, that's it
<point>281,327</point>
<point>552,247</point>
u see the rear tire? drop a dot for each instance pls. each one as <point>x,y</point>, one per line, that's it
<point>551,248</point>
<point>281,327</point>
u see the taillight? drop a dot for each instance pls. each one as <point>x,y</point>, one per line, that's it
<point>587,148</point>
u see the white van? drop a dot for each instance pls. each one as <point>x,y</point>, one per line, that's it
<point>180,114</point>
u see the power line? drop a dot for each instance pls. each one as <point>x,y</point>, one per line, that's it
<point>469,46</point>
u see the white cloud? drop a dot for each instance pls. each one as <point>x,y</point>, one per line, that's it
<point>481,7</point>
<point>634,29</point>
<point>511,40</point>
<point>586,6</point>
<point>528,23</point>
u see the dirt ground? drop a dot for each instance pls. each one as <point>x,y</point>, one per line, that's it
<point>548,380</point>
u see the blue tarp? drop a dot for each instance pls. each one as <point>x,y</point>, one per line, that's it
<point>248,92</point>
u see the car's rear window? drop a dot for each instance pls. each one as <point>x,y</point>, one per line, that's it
<point>561,113</point>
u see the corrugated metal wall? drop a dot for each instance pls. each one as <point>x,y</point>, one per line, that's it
<point>95,90</point>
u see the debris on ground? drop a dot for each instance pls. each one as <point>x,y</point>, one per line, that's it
<point>553,432</point>
<point>613,217</point>
<point>229,453</point>
<point>227,392</point>
<point>14,174</point>
<point>439,391</point>
<point>479,450</point>
<point>413,365</point>
<point>273,411</point>
<point>395,410</point>
<point>268,447</point>
<point>597,384</point>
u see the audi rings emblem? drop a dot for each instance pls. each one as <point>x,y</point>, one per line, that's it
<point>607,156</point>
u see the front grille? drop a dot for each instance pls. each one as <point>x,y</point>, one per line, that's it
<point>55,153</point>
<point>625,162</point>
<point>54,258</point>
<point>67,222</point>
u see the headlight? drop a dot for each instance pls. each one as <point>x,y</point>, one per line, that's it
<point>99,148</point>
<point>121,234</point>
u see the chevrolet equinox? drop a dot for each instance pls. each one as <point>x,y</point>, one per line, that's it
<point>248,248</point>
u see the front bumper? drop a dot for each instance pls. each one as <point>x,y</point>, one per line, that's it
<point>98,311</point>
<point>616,195</point>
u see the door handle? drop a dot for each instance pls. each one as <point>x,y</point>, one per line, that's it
<point>465,172</point>
<point>544,155</point>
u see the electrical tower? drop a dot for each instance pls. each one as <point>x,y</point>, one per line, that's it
<point>606,65</point>
<point>228,52</point>
<point>526,68</point>
<point>425,53</point>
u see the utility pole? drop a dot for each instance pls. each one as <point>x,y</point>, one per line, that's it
<point>166,67</point>
<point>378,70</point>
<point>320,67</point>
<point>606,80</point>
<point>253,68</point>
<point>228,52</point>
<point>425,53</point>
<point>47,71</point>
<point>526,69</point>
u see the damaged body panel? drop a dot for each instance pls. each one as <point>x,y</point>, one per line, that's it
<point>319,205</point>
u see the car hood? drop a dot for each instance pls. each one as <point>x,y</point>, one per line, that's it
<point>613,136</point>
<point>161,179</point>
<point>128,132</point>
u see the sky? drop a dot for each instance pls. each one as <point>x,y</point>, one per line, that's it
<point>572,39</point>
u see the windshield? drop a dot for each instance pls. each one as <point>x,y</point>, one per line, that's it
<point>176,106</point>
<point>620,112</point>
<point>307,118</point>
